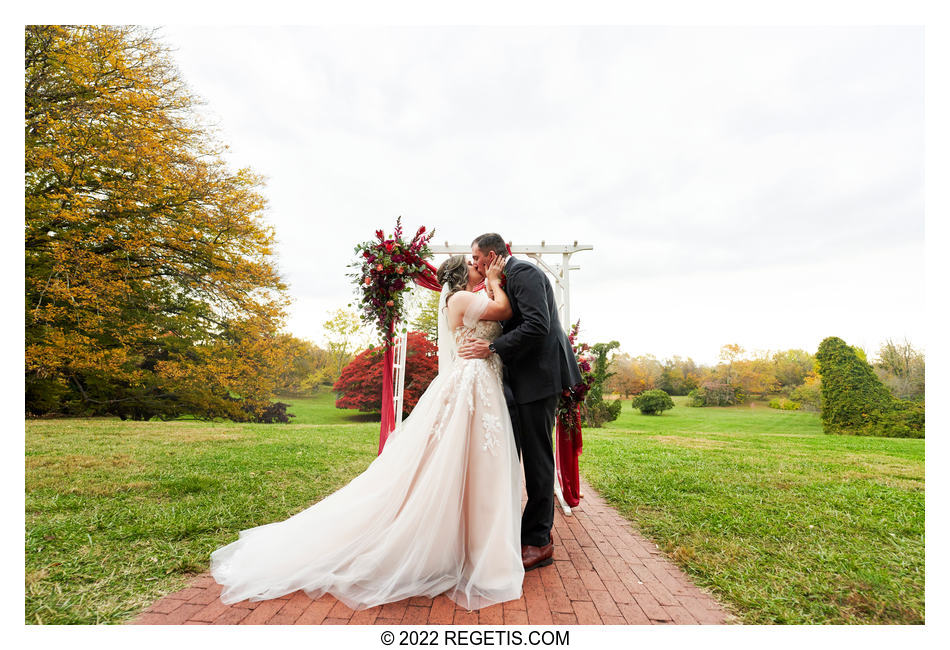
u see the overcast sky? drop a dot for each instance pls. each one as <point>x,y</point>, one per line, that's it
<point>760,186</point>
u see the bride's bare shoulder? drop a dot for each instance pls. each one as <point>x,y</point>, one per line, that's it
<point>460,298</point>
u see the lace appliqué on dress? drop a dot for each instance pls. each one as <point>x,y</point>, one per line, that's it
<point>490,442</point>
<point>472,376</point>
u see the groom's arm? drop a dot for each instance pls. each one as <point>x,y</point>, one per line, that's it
<point>526,289</point>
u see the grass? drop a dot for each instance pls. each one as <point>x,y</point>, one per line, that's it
<point>783,522</point>
<point>321,410</point>
<point>120,513</point>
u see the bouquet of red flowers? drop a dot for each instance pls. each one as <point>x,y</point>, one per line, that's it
<point>572,399</point>
<point>385,268</point>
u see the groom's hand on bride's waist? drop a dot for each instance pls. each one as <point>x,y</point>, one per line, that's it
<point>475,349</point>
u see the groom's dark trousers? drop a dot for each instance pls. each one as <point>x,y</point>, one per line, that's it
<point>533,423</point>
<point>539,364</point>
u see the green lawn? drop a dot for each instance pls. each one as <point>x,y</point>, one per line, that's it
<point>121,513</point>
<point>321,410</point>
<point>784,523</point>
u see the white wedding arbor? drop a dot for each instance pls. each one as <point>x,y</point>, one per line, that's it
<point>558,270</point>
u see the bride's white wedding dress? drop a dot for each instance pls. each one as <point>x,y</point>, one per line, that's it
<point>439,511</point>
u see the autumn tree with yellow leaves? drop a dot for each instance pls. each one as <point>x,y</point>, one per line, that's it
<point>151,284</point>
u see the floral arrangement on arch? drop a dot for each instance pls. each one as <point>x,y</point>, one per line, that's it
<point>386,267</point>
<point>569,405</point>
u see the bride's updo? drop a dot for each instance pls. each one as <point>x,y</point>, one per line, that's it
<point>453,271</point>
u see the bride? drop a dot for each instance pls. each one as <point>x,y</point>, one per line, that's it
<point>438,511</point>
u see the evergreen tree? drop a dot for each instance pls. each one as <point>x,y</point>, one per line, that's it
<point>853,399</point>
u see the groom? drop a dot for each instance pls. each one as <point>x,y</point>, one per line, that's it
<point>539,363</point>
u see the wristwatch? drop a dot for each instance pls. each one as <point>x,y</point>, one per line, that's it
<point>491,348</point>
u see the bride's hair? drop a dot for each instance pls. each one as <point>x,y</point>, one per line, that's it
<point>454,271</point>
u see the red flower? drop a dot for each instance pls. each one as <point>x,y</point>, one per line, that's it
<point>386,264</point>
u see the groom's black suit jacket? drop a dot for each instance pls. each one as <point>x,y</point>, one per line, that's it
<point>538,358</point>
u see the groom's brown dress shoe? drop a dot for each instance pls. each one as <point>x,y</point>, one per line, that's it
<point>533,557</point>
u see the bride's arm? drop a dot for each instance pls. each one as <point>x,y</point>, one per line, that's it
<point>469,307</point>
<point>499,308</point>
<point>466,307</point>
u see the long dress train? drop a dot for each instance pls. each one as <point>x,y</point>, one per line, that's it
<point>438,511</point>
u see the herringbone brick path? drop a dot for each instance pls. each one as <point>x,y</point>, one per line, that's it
<point>604,573</point>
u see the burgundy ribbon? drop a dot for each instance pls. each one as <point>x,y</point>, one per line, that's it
<point>568,449</point>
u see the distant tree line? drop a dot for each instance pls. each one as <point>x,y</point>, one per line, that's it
<point>888,394</point>
<point>736,378</point>
<point>739,376</point>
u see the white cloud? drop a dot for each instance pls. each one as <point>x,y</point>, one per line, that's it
<point>782,164</point>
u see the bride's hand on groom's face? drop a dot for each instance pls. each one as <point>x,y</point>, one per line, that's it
<point>474,349</point>
<point>493,272</point>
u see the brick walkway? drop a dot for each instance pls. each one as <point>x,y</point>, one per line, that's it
<point>604,573</point>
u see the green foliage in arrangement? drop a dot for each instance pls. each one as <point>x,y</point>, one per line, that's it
<point>653,402</point>
<point>854,401</point>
